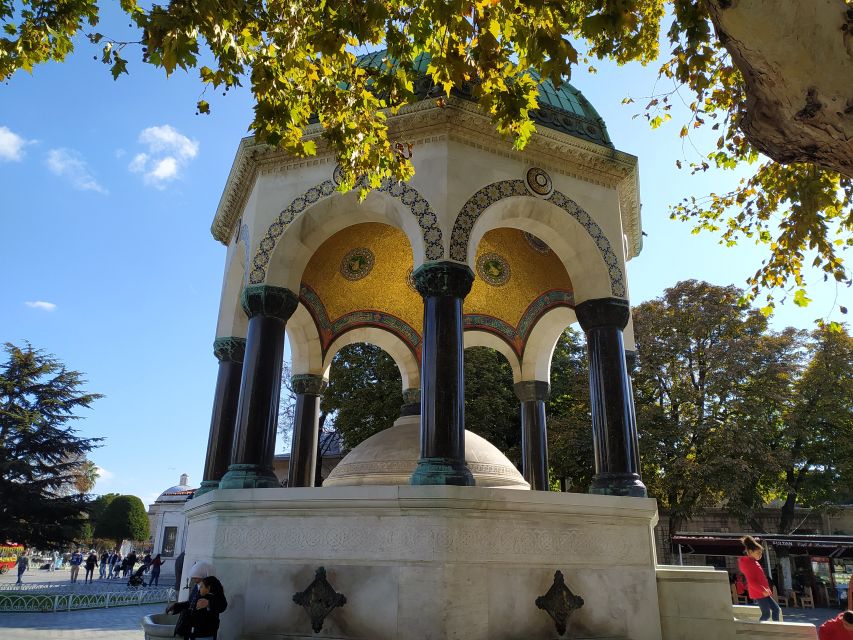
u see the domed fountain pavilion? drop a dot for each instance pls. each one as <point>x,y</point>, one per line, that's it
<point>428,538</point>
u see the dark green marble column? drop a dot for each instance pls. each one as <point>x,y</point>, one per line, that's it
<point>303,445</point>
<point>630,365</point>
<point>614,427</point>
<point>534,433</point>
<point>443,286</point>
<point>268,308</point>
<point>230,353</point>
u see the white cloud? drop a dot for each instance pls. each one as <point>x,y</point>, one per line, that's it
<point>69,164</point>
<point>168,153</point>
<point>104,475</point>
<point>40,304</point>
<point>137,165</point>
<point>166,169</point>
<point>11,145</point>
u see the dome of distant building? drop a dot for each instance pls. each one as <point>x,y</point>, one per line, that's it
<point>564,109</point>
<point>181,492</point>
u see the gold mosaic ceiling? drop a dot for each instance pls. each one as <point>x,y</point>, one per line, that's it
<point>367,266</point>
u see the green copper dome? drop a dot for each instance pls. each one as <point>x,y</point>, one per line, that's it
<point>564,109</point>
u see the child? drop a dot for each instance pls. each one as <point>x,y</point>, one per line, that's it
<point>756,581</point>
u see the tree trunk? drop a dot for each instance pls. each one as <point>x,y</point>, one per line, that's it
<point>796,57</point>
<point>786,518</point>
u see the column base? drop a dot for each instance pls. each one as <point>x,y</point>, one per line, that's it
<point>206,485</point>
<point>442,471</point>
<point>249,476</point>
<point>618,484</point>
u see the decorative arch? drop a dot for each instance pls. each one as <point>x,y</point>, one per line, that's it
<point>480,338</point>
<point>536,363</point>
<point>497,191</point>
<point>306,352</point>
<point>408,196</point>
<point>232,319</point>
<point>516,338</point>
<point>390,343</point>
<point>330,330</point>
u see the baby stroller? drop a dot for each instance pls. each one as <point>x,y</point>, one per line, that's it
<point>136,579</point>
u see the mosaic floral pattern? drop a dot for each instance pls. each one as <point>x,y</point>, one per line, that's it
<point>494,269</point>
<point>536,244</point>
<point>421,209</point>
<point>496,191</point>
<point>329,331</point>
<point>357,263</point>
<point>414,201</point>
<point>516,337</point>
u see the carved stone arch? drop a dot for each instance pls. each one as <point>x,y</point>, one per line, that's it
<point>232,319</point>
<point>407,362</point>
<point>543,338</point>
<point>422,228</point>
<point>480,338</point>
<point>306,350</point>
<point>529,217</point>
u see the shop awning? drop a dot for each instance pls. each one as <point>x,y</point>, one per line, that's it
<point>728,544</point>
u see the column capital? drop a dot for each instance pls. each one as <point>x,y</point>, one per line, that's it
<point>267,300</point>
<point>308,384</point>
<point>603,313</point>
<point>443,279</point>
<point>229,349</point>
<point>530,390</point>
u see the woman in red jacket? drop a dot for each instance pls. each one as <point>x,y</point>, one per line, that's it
<point>756,581</point>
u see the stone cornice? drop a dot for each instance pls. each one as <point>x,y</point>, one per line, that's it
<point>461,121</point>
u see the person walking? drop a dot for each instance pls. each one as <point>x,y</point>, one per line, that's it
<point>91,562</point>
<point>115,560</point>
<point>54,564</point>
<point>756,581</point>
<point>75,562</point>
<point>102,567</point>
<point>156,563</point>
<point>23,564</point>
<point>146,561</point>
<point>127,567</point>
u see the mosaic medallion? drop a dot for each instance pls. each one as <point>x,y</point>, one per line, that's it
<point>357,263</point>
<point>536,244</point>
<point>539,182</point>
<point>410,280</point>
<point>493,268</point>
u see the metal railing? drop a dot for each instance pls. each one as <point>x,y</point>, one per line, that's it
<point>21,601</point>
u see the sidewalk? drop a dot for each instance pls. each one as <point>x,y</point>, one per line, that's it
<point>815,616</point>
<point>121,623</point>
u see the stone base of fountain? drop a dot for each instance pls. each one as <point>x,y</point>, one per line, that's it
<point>428,562</point>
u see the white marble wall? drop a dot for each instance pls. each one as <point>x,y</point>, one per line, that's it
<point>428,563</point>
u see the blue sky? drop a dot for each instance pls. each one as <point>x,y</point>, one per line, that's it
<point>108,192</point>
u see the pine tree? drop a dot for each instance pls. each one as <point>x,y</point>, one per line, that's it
<point>40,452</point>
